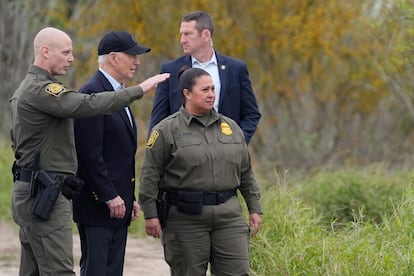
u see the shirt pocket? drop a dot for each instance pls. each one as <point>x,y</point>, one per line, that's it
<point>230,139</point>
<point>231,147</point>
<point>190,151</point>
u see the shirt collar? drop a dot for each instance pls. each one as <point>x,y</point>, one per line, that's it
<point>212,60</point>
<point>40,71</point>
<point>115,84</point>
<point>188,117</point>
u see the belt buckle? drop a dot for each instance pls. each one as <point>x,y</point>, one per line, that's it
<point>220,197</point>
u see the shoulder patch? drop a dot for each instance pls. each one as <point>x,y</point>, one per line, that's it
<point>151,140</point>
<point>55,89</point>
<point>226,129</point>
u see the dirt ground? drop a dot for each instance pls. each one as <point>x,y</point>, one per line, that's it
<point>143,256</point>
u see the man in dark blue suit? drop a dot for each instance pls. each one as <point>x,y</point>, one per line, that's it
<point>106,147</point>
<point>234,94</point>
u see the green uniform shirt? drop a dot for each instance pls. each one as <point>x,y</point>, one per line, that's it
<point>41,118</point>
<point>187,152</point>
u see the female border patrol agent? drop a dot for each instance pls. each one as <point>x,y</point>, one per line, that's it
<point>196,160</point>
<point>42,111</point>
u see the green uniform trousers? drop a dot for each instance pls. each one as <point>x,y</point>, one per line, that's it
<point>219,235</point>
<point>46,246</point>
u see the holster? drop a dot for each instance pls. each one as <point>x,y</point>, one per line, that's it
<point>45,199</point>
<point>163,208</point>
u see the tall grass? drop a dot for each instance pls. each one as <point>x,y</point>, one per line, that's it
<point>339,196</point>
<point>6,184</point>
<point>296,239</point>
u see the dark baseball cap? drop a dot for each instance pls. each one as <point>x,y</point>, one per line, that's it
<point>119,41</point>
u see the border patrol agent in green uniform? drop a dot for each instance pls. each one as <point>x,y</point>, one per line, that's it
<point>196,160</point>
<point>42,109</point>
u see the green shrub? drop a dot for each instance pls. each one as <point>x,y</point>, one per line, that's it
<point>349,195</point>
<point>293,241</point>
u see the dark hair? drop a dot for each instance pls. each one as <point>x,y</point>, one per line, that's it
<point>203,21</point>
<point>188,77</point>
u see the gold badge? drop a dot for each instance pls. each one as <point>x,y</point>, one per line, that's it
<point>55,89</point>
<point>152,139</point>
<point>226,129</point>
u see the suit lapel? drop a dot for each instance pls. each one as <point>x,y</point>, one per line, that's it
<point>222,70</point>
<point>187,62</point>
<point>104,81</point>
<point>108,87</point>
<point>132,128</point>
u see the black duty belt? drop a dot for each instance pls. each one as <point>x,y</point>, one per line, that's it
<point>213,198</point>
<point>26,174</point>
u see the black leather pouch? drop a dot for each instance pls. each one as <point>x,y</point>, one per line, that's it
<point>190,202</point>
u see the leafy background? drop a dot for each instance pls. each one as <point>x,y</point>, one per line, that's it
<point>332,78</point>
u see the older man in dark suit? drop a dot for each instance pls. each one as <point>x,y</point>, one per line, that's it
<point>106,147</point>
<point>234,94</point>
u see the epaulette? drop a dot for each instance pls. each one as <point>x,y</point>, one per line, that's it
<point>173,115</point>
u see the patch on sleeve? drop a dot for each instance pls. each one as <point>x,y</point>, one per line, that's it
<point>226,129</point>
<point>55,89</point>
<point>151,140</point>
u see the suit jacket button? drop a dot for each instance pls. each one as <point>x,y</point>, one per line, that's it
<point>133,179</point>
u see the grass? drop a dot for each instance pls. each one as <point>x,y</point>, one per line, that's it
<point>372,237</point>
<point>6,184</point>
<point>344,222</point>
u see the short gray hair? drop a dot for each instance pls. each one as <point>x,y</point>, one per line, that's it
<point>102,58</point>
